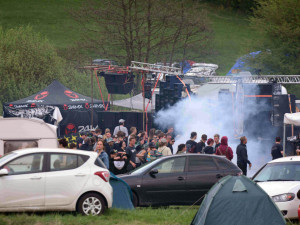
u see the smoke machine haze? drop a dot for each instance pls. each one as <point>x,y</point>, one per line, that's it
<point>220,116</point>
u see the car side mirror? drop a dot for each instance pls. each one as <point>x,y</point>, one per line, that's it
<point>153,172</point>
<point>3,172</point>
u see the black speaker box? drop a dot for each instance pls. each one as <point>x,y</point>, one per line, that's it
<point>282,104</point>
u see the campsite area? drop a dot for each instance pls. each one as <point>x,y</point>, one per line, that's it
<point>162,215</point>
<point>140,216</point>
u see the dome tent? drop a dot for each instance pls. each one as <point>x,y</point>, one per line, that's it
<point>237,200</point>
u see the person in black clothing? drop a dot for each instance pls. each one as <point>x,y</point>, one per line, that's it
<point>170,141</point>
<point>201,145</point>
<point>277,149</point>
<point>242,156</point>
<point>191,144</point>
<point>209,148</point>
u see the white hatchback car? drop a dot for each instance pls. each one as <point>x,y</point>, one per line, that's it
<point>280,179</point>
<point>54,180</point>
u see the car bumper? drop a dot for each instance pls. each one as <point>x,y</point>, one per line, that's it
<point>289,209</point>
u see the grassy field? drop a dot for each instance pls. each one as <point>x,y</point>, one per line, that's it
<point>174,215</point>
<point>140,216</point>
<point>232,35</point>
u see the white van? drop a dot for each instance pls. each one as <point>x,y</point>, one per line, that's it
<point>18,133</point>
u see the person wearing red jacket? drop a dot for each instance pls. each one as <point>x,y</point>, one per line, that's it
<point>224,149</point>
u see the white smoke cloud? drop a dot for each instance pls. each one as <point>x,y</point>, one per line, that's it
<point>210,116</point>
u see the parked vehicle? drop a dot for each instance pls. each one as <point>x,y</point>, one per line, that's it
<point>54,180</point>
<point>280,178</point>
<point>18,133</point>
<point>178,179</point>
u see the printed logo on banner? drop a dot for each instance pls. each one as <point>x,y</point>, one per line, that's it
<point>70,128</point>
<point>42,95</point>
<point>11,105</point>
<point>65,107</point>
<point>87,105</point>
<point>70,94</point>
<point>33,105</point>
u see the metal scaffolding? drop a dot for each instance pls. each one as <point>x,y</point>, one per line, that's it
<point>154,68</point>
<point>257,79</point>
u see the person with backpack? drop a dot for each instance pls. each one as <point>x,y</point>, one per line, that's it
<point>224,149</point>
<point>209,149</point>
<point>191,144</point>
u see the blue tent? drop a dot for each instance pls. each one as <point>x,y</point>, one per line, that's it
<point>240,64</point>
<point>237,200</point>
<point>122,195</point>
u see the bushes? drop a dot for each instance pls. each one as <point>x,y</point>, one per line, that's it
<point>29,62</point>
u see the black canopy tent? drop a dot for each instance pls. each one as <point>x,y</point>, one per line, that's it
<point>77,110</point>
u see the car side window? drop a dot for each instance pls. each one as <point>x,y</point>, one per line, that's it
<point>224,164</point>
<point>175,165</point>
<point>61,161</point>
<point>32,163</point>
<point>197,163</point>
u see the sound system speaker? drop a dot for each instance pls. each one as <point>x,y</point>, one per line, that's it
<point>118,83</point>
<point>282,104</point>
<point>147,90</point>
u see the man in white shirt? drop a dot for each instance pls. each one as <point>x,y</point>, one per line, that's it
<point>121,127</point>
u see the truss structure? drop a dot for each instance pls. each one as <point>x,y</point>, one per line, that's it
<point>257,79</point>
<point>154,68</point>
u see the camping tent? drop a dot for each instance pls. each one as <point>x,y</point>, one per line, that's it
<point>122,195</point>
<point>292,119</point>
<point>76,109</point>
<point>237,200</point>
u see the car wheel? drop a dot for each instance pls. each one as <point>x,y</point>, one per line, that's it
<point>134,200</point>
<point>91,204</point>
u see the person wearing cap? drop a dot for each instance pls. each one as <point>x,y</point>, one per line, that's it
<point>109,145</point>
<point>121,127</point>
<point>163,149</point>
<point>80,140</point>
<point>201,144</point>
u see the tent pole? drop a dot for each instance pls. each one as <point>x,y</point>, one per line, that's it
<point>92,96</point>
<point>284,139</point>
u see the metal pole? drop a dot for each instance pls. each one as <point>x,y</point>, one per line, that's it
<point>92,96</point>
<point>284,128</point>
<point>144,102</point>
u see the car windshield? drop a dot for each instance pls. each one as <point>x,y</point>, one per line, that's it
<point>7,156</point>
<point>285,171</point>
<point>144,167</point>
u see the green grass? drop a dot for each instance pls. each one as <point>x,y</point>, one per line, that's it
<point>232,35</point>
<point>169,215</point>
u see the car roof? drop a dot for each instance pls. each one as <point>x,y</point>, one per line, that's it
<point>60,150</point>
<point>198,155</point>
<point>286,159</point>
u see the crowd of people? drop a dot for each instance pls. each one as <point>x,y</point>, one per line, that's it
<point>123,151</point>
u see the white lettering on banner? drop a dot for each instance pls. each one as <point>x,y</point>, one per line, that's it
<point>20,106</point>
<point>33,101</point>
<point>86,128</point>
<point>78,100</point>
<point>99,106</point>
<point>75,107</point>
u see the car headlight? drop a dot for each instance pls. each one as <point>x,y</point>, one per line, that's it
<point>283,197</point>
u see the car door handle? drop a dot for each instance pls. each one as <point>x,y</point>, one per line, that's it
<point>219,176</point>
<point>35,178</point>
<point>80,175</point>
<point>180,178</point>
